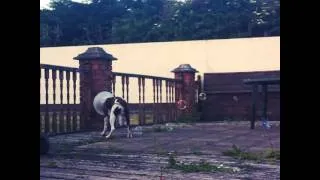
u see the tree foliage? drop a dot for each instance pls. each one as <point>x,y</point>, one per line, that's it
<point>130,21</point>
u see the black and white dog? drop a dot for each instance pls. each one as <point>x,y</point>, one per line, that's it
<point>115,109</point>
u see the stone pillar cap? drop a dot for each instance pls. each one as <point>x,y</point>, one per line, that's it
<point>184,68</point>
<point>95,53</point>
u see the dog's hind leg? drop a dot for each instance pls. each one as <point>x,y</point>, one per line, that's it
<point>127,122</point>
<point>129,132</point>
<point>105,126</point>
<point>112,120</point>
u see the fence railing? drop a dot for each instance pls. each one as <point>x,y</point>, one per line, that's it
<point>163,98</point>
<point>59,115</point>
<point>152,99</point>
<point>67,90</point>
<point>59,118</point>
<point>60,102</point>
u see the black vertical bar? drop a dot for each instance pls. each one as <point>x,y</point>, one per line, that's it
<point>157,90</point>
<point>167,103</point>
<point>40,102</point>
<point>74,115</point>
<point>47,120</point>
<point>54,77</point>
<point>61,120</point>
<point>160,109</point>
<point>54,114</point>
<point>166,84</point>
<point>69,128</point>
<point>154,100</point>
<point>160,87</point>
<point>254,99</point>
<point>265,100</point>
<point>143,95</point>
<point>68,86</point>
<point>114,84</point>
<point>174,84</point>
<point>127,88</point>
<point>169,100</point>
<point>157,104</point>
<point>122,82</point>
<point>139,91</point>
<point>173,99</point>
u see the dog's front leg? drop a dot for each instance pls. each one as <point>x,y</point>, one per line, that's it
<point>105,126</point>
<point>112,120</point>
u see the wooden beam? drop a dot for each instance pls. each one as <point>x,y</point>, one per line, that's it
<point>262,81</point>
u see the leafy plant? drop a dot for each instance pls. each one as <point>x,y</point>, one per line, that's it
<point>52,164</point>
<point>202,166</point>
<point>236,152</point>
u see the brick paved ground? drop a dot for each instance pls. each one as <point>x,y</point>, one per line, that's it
<point>89,156</point>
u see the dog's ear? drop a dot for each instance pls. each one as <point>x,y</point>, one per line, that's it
<point>121,101</point>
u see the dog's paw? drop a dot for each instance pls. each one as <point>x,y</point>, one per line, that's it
<point>102,133</point>
<point>129,135</point>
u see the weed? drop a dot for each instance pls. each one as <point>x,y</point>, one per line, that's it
<point>195,167</point>
<point>196,152</point>
<point>236,152</point>
<point>52,164</point>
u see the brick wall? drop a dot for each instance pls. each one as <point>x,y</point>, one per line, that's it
<point>229,98</point>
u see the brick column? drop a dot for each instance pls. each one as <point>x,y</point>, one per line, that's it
<point>187,90</point>
<point>95,66</point>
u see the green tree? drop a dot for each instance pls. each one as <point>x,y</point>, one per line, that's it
<point>129,21</point>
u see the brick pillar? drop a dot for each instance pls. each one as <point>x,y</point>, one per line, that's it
<point>95,66</point>
<point>187,90</point>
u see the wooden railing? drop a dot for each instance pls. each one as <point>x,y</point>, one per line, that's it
<point>166,109</point>
<point>59,118</point>
<point>60,112</point>
<point>63,116</point>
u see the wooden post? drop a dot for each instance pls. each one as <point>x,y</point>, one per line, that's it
<point>254,99</point>
<point>143,101</point>
<point>255,83</point>
<point>47,120</point>
<point>265,100</point>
